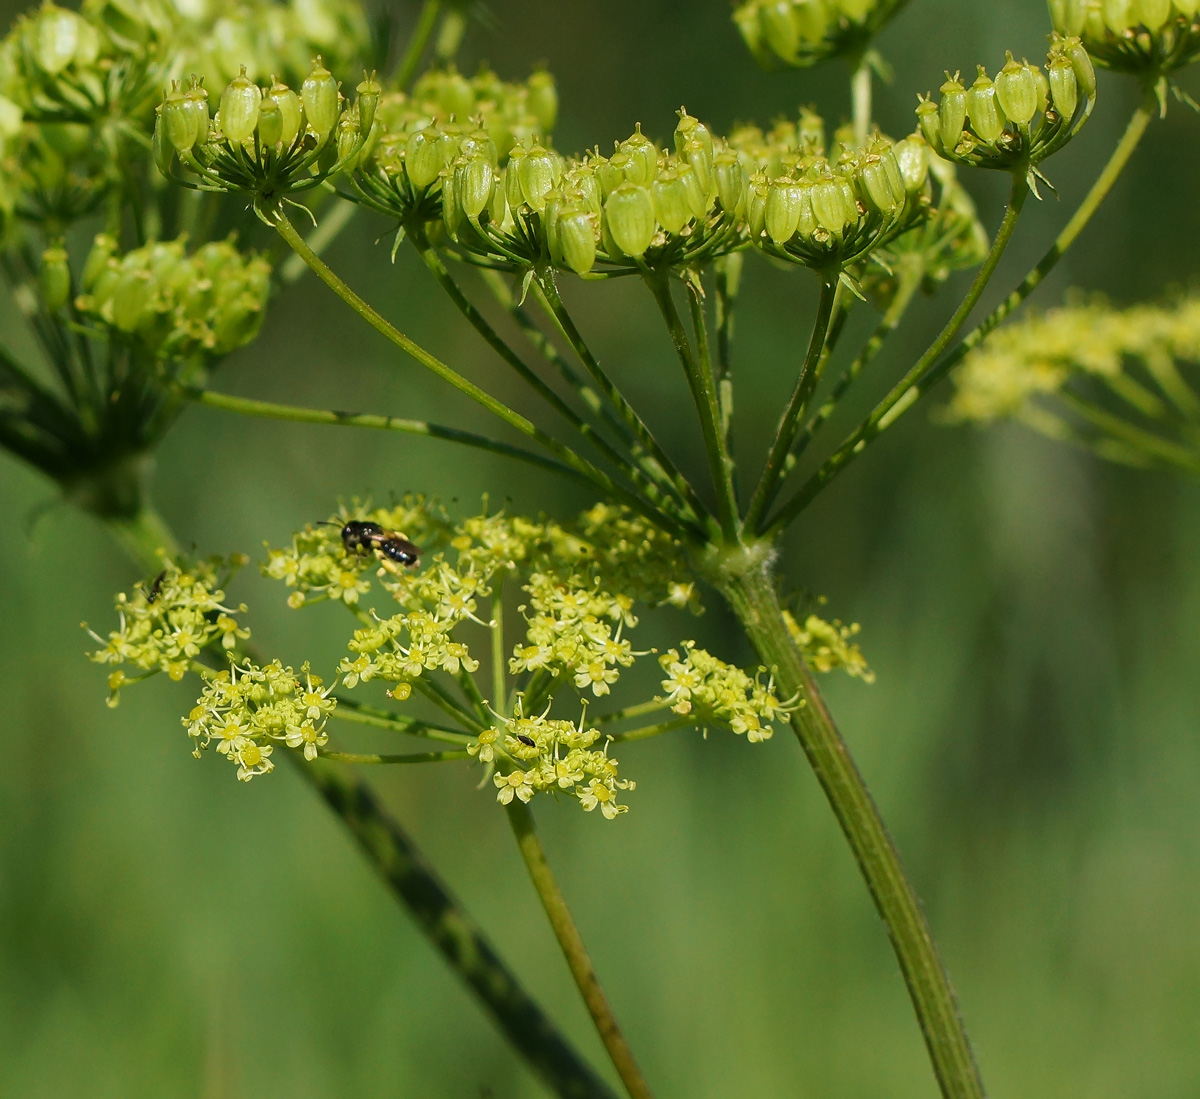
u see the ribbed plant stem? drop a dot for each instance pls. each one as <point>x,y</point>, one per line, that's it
<point>744,577</point>
<point>574,951</point>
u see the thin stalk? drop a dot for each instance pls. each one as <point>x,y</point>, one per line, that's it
<point>725,292</point>
<point>1146,442</point>
<point>785,433</point>
<point>704,395</point>
<point>574,950</point>
<point>917,381</point>
<point>558,312</point>
<point>326,232</point>
<point>499,689</point>
<point>860,97</point>
<point>647,731</point>
<point>907,286</point>
<point>422,32</point>
<point>360,714</point>
<point>745,579</point>
<point>514,419</point>
<point>459,940</point>
<point>649,487</point>
<point>446,702</point>
<point>637,710</point>
<point>271,410</point>
<point>409,757</point>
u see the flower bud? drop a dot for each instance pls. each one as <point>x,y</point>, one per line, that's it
<point>542,99</point>
<point>577,239</point>
<point>239,108</point>
<point>291,114</point>
<point>270,123</point>
<point>782,213</point>
<point>952,113</point>
<point>1064,90</point>
<point>670,201</point>
<point>1017,91</point>
<point>368,92</point>
<point>55,278</point>
<point>474,179</point>
<point>987,120</point>
<point>537,172</point>
<point>643,157</point>
<point>913,162</point>
<point>927,119</point>
<point>730,180</point>
<point>319,94</point>
<point>425,156</point>
<point>629,214</point>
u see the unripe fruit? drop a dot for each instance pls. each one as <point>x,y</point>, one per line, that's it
<point>319,94</point>
<point>239,108</point>
<point>629,215</point>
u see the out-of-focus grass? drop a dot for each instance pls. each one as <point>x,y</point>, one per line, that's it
<point>165,931</point>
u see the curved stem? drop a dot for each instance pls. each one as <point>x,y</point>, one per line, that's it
<point>360,714</point>
<point>914,384</point>
<point>574,950</point>
<point>422,32</point>
<point>647,731</point>
<point>745,579</point>
<point>271,410</point>
<point>408,757</point>
<point>704,395</point>
<point>514,419</point>
<point>449,928</point>
<point>806,382</point>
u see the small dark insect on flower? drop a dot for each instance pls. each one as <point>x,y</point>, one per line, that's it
<point>361,535</point>
<point>156,587</point>
<point>527,740</point>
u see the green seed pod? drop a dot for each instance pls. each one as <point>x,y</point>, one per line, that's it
<point>585,186</point>
<point>542,99</point>
<point>1118,15</point>
<point>778,29</point>
<point>239,108</point>
<point>987,120</point>
<point>698,156</point>
<point>479,143</point>
<point>856,10</point>
<point>877,185</point>
<point>455,96</point>
<point>87,45</point>
<point>512,179</point>
<point>497,209</point>
<point>55,39</point>
<point>1064,89</point>
<point>1085,74</point>
<point>103,249</point>
<point>130,298</point>
<point>474,180</point>
<point>1187,8</point>
<point>319,94</point>
<point>55,278</point>
<point>368,92</point>
<point>913,161</point>
<point>178,122</point>
<point>612,172</point>
<point>730,180</point>
<point>577,239</point>
<point>425,156</point>
<point>451,209</point>
<point>1068,15</point>
<point>782,212</point>
<point>691,129</point>
<point>952,114</point>
<point>810,132</point>
<point>348,140</point>
<point>1017,91</point>
<point>270,123</point>
<point>832,206</point>
<point>670,201</point>
<point>538,171</point>
<point>629,215</point>
<point>757,192</point>
<point>699,197</point>
<point>643,157</point>
<point>161,149</point>
<point>1152,14</point>
<point>195,98</point>
<point>812,17</point>
<point>291,115</point>
<point>927,119</point>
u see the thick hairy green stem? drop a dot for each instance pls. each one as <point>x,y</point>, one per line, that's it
<point>574,951</point>
<point>745,579</point>
<point>916,382</point>
<point>459,940</point>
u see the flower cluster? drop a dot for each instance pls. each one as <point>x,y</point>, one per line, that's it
<point>248,709</point>
<point>1017,120</point>
<point>828,645</point>
<point>805,32</point>
<point>165,625</point>
<point>698,683</point>
<point>551,755</point>
<point>1137,36</point>
<point>1134,354</point>
<point>1020,118</point>
<point>447,123</point>
<point>178,306</point>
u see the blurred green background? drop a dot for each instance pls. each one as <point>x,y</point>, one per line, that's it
<point>1033,616</point>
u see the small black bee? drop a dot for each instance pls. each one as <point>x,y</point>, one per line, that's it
<point>361,535</point>
<point>156,587</point>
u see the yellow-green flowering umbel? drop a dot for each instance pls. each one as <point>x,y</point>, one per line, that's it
<point>509,642</point>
